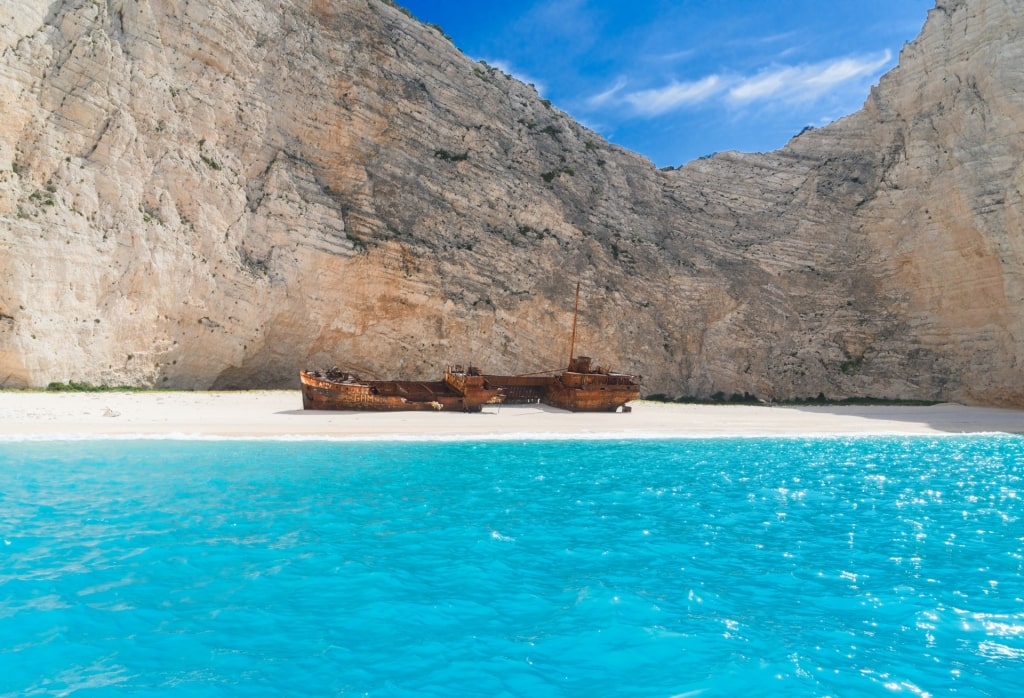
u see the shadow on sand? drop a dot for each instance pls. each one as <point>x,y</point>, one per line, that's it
<point>947,417</point>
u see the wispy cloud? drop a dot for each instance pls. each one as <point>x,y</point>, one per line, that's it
<point>676,56</point>
<point>804,83</point>
<point>660,100</point>
<point>781,84</point>
<point>608,95</point>
<point>747,42</point>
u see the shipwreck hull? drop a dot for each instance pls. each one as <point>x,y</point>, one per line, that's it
<point>522,390</point>
<point>591,399</point>
<point>580,389</point>
<point>473,386</point>
<point>342,392</point>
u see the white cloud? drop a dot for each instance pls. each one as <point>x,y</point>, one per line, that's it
<point>791,84</point>
<point>805,82</point>
<point>608,95</point>
<point>847,69</point>
<point>655,102</point>
<point>763,86</point>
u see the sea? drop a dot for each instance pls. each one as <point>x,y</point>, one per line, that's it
<point>826,566</point>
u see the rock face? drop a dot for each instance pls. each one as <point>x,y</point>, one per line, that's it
<point>218,194</point>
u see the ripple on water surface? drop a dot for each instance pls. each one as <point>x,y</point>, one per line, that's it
<point>693,567</point>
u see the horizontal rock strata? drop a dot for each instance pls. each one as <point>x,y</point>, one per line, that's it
<point>218,194</point>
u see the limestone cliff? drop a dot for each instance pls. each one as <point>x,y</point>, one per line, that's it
<point>218,194</point>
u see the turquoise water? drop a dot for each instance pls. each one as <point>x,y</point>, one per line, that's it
<point>787,567</point>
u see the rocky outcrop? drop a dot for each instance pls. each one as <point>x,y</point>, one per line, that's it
<point>218,194</point>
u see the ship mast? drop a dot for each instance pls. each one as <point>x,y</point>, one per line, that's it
<point>575,314</point>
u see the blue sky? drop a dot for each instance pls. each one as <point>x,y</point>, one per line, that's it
<point>681,79</point>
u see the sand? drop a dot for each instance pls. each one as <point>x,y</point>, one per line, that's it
<point>279,414</point>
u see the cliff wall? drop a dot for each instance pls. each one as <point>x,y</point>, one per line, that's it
<point>218,194</point>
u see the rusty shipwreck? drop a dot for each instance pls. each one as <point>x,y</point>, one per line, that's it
<point>581,387</point>
<point>464,390</point>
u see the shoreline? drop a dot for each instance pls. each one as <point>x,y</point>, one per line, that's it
<point>278,414</point>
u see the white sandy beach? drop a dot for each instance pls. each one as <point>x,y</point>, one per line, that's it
<point>279,414</point>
